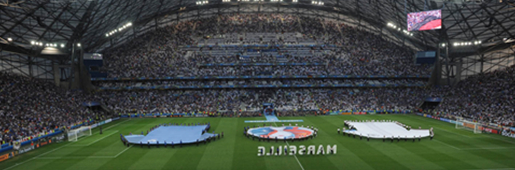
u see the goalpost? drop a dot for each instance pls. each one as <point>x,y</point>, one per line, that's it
<point>461,123</point>
<point>75,134</point>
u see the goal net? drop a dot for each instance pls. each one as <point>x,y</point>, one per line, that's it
<point>75,134</point>
<point>461,123</point>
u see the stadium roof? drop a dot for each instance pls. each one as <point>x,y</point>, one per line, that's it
<point>90,21</point>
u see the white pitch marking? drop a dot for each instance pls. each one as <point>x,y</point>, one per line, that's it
<point>123,151</point>
<point>488,148</point>
<point>453,132</point>
<point>97,139</point>
<point>501,139</point>
<point>86,157</point>
<point>418,117</point>
<point>56,149</point>
<point>499,169</point>
<point>78,157</point>
<point>116,124</point>
<point>448,144</point>
<point>37,156</point>
<point>301,167</point>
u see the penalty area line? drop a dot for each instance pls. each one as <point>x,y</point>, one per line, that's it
<point>301,167</point>
<point>453,132</point>
<point>447,144</point>
<point>79,157</point>
<point>98,139</point>
<point>123,151</point>
<point>17,164</point>
<point>116,124</point>
<point>87,157</point>
<point>488,148</point>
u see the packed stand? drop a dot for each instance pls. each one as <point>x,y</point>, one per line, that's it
<point>250,101</point>
<point>252,82</point>
<point>30,107</point>
<point>487,97</point>
<point>162,53</point>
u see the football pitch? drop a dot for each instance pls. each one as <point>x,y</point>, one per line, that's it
<point>450,149</point>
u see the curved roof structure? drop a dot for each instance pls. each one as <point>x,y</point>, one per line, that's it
<point>101,24</point>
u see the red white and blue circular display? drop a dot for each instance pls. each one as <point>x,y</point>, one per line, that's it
<point>285,132</point>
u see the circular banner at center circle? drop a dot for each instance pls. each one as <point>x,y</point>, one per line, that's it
<point>285,132</point>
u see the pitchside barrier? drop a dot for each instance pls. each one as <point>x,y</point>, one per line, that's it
<point>36,142</point>
<point>489,128</point>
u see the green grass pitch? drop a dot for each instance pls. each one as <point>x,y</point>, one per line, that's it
<point>450,149</point>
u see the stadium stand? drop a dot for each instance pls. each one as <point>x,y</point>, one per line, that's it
<point>169,51</point>
<point>30,107</point>
<point>486,98</point>
<point>202,47</point>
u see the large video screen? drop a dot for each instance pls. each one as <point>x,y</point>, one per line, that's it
<point>425,20</point>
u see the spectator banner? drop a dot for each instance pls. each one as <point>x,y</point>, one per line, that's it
<point>508,133</point>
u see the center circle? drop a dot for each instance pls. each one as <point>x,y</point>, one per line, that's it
<point>283,132</point>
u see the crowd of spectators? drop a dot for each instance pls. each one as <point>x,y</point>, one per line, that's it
<point>250,100</point>
<point>160,53</point>
<point>30,107</point>
<point>252,82</point>
<point>487,97</point>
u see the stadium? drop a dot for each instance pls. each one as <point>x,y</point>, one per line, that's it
<point>257,84</point>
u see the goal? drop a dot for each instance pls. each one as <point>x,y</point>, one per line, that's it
<point>75,134</point>
<point>461,123</point>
